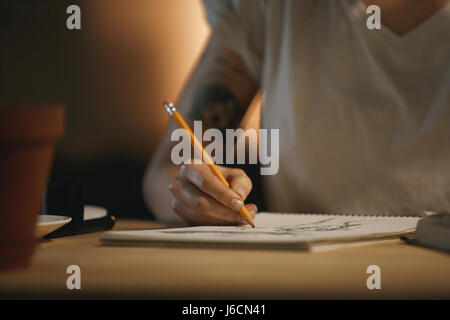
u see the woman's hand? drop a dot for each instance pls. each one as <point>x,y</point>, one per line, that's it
<point>218,92</point>
<point>200,198</point>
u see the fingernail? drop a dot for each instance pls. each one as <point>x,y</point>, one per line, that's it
<point>241,191</point>
<point>236,204</point>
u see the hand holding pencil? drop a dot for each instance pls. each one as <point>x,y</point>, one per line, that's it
<point>207,194</point>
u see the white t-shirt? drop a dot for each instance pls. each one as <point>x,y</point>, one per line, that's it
<point>363,115</point>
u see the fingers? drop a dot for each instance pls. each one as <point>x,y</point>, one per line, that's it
<point>239,182</point>
<point>201,203</point>
<point>204,179</point>
<point>193,218</point>
<point>252,209</point>
<point>201,198</point>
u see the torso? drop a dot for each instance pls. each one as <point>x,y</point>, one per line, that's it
<point>363,114</point>
<point>402,16</point>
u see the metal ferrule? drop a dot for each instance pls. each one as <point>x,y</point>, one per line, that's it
<point>170,108</point>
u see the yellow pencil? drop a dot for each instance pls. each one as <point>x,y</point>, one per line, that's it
<point>170,108</point>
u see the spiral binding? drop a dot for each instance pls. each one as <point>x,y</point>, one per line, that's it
<point>345,214</point>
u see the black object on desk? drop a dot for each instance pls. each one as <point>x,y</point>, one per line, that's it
<point>67,199</point>
<point>433,231</point>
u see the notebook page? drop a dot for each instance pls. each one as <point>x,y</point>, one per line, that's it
<point>277,229</point>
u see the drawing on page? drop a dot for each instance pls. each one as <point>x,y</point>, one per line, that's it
<point>324,225</point>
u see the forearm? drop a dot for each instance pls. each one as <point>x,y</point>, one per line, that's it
<point>218,93</point>
<point>157,195</point>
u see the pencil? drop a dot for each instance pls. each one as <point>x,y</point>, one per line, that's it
<point>170,108</point>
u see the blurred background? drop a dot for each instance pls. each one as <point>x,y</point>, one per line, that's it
<point>112,76</point>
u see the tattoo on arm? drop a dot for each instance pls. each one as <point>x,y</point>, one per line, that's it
<point>215,102</point>
<point>224,62</point>
<point>217,107</point>
<point>224,89</point>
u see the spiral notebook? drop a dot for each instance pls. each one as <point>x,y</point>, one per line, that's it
<point>276,231</point>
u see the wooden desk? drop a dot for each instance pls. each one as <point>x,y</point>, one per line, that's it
<point>129,272</point>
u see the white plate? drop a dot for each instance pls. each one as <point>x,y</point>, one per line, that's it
<point>48,223</point>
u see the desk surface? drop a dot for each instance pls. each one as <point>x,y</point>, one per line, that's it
<point>152,272</point>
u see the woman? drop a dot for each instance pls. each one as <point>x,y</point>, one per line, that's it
<point>363,115</point>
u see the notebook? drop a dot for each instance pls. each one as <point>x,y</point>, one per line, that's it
<point>434,232</point>
<point>315,232</point>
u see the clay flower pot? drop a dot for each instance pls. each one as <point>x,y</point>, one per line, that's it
<point>27,141</point>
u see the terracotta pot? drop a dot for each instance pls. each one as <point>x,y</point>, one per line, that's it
<point>27,142</point>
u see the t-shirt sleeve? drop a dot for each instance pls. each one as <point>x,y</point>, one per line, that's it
<point>239,25</point>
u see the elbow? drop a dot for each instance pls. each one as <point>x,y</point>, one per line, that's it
<point>157,197</point>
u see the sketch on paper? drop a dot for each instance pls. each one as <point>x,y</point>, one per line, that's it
<point>324,225</point>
